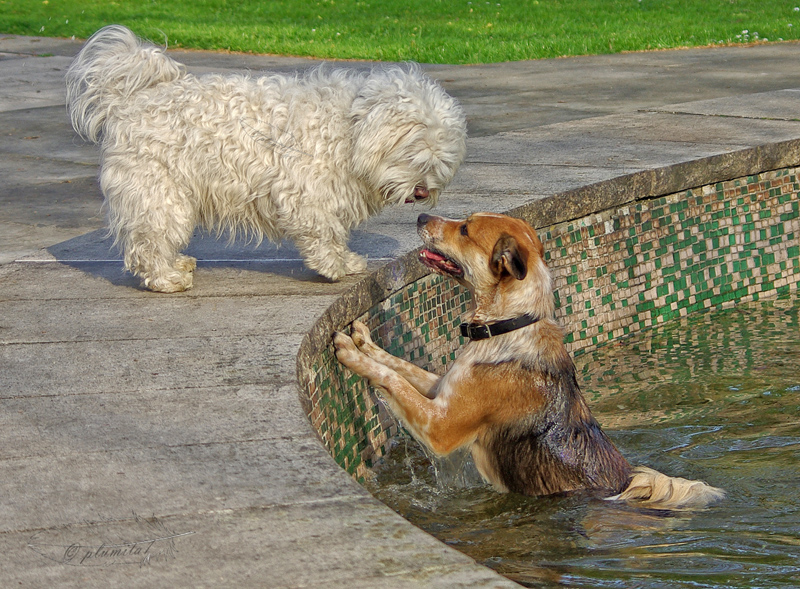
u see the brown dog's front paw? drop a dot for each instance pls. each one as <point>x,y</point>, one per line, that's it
<point>346,351</point>
<point>360,334</point>
<point>342,341</point>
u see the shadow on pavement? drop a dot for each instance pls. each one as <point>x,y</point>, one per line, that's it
<point>96,254</point>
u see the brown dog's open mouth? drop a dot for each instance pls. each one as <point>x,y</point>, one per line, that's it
<point>439,263</point>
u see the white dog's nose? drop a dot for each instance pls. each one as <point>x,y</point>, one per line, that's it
<point>420,193</point>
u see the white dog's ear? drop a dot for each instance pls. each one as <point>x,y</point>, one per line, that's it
<point>509,258</point>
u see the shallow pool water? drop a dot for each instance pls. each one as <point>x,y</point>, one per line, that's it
<point>715,397</point>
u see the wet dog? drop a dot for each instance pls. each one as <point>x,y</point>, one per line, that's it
<point>512,395</point>
<point>305,157</point>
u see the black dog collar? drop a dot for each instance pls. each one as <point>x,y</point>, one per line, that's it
<point>479,331</point>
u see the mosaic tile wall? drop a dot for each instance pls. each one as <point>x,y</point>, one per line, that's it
<point>615,273</point>
<point>636,266</point>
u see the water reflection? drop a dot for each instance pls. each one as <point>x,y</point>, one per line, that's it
<point>714,397</point>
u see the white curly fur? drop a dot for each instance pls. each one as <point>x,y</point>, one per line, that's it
<point>306,157</point>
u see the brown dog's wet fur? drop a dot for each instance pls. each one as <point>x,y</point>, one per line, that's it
<point>513,399</point>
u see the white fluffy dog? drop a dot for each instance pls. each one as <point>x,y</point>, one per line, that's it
<point>306,157</point>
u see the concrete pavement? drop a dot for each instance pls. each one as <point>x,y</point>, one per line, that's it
<point>166,429</point>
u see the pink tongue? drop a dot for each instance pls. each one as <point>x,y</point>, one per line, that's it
<point>432,256</point>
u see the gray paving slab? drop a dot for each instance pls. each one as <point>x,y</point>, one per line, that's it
<point>628,142</point>
<point>118,319</point>
<point>780,105</point>
<point>40,425</point>
<point>276,547</point>
<point>14,46</point>
<point>29,82</point>
<point>133,419</point>
<point>519,95</point>
<point>22,130</point>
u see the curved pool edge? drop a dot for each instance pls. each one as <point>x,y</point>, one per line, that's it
<point>625,189</point>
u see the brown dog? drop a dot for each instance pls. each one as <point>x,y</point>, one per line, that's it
<point>511,396</point>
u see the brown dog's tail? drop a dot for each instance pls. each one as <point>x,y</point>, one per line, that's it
<point>650,488</point>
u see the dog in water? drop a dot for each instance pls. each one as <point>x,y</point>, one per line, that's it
<point>305,157</point>
<point>512,395</point>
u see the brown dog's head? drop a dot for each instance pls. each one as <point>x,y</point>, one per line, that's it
<point>499,258</point>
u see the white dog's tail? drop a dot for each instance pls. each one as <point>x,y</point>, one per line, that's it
<point>650,488</point>
<point>112,66</point>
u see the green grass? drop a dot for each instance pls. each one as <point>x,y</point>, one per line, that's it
<point>430,31</point>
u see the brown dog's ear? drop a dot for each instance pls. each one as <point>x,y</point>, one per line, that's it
<point>509,258</point>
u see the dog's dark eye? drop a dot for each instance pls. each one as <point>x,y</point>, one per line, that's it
<point>464,230</point>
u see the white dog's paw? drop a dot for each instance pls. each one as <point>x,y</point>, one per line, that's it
<point>332,267</point>
<point>169,282</point>
<point>185,263</point>
<point>354,264</point>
